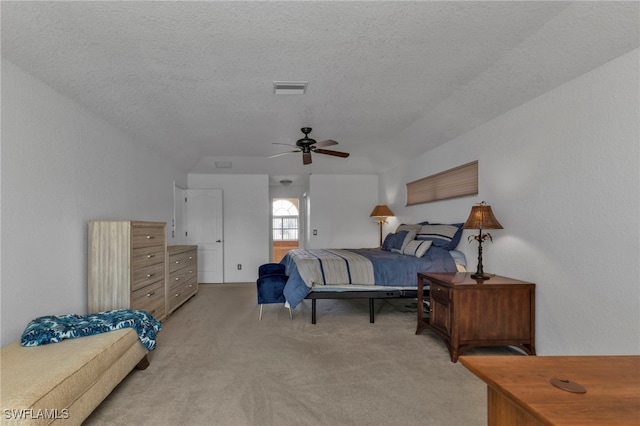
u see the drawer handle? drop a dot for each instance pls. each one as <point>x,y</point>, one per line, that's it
<point>191,272</point>
<point>150,275</point>
<point>190,257</point>
<point>151,294</point>
<point>149,256</point>
<point>190,285</point>
<point>150,237</point>
<point>177,294</point>
<point>177,278</point>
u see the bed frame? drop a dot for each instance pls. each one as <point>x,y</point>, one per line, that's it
<point>361,294</point>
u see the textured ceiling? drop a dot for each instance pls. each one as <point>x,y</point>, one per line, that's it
<point>194,80</point>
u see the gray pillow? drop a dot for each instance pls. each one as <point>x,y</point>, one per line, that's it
<point>417,248</point>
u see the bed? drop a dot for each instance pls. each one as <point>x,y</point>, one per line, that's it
<point>389,271</point>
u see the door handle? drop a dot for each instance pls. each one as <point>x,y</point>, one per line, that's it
<point>218,241</point>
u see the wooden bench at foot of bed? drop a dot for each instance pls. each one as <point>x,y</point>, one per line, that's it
<point>360,294</point>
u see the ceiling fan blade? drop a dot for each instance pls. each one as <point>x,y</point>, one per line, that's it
<point>330,152</point>
<point>328,142</point>
<point>306,158</point>
<point>282,153</point>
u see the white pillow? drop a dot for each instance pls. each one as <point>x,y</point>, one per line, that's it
<point>417,248</point>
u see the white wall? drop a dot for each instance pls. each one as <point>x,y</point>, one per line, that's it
<point>339,210</point>
<point>61,167</point>
<point>246,212</point>
<point>561,173</point>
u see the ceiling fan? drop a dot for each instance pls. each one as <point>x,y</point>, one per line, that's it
<point>306,146</point>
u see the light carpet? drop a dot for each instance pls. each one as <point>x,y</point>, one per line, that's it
<point>215,364</point>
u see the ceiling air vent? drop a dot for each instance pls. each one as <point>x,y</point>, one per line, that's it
<point>290,87</point>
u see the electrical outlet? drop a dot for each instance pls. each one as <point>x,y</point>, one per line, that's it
<point>315,232</point>
<point>239,266</point>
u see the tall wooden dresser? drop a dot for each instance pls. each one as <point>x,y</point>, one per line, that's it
<point>182,275</point>
<point>127,265</point>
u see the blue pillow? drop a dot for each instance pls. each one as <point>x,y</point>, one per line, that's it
<point>394,241</point>
<point>443,235</point>
<point>386,245</point>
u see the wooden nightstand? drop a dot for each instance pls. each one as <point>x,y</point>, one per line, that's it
<point>467,313</point>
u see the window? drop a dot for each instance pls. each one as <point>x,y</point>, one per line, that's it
<point>457,182</point>
<point>285,220</point>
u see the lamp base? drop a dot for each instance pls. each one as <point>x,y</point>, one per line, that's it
<point>481,276</point>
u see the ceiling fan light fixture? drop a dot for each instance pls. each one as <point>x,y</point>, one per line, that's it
<point>290,87</point>
<point>306,146</point>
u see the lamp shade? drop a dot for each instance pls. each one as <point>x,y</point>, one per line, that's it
<point>481,217</point>
<point>381,210</point>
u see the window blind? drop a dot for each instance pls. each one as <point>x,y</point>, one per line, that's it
<point>452,183</point>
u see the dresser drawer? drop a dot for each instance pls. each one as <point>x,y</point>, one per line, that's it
<point>176,280</point>
<point>181,260</point>
<point>145,236</point>
<point>175,293</point>
<point>180,292</point>
<point>191,287</point>
<point>182,275</point>
<point>145,276</point>
<point>147,256</point>
<point>150,299</point>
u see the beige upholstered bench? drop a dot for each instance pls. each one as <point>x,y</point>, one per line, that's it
<point>62,383</point>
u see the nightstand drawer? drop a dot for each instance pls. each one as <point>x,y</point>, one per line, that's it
<point>440,294</point>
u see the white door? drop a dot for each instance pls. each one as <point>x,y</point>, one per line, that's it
<point>203,211</point>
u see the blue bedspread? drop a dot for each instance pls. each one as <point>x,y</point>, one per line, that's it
<point>52,329</point>
<point>390,269</point>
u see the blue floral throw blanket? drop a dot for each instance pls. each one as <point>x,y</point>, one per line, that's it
<point>52,329</point>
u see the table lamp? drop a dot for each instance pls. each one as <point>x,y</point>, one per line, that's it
<point>481,217</point>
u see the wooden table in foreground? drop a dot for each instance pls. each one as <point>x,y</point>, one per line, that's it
<point>519,391</point>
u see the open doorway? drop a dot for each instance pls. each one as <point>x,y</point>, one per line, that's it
<point>285,226</point>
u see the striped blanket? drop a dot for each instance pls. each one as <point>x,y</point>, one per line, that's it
<point>333,267</point>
